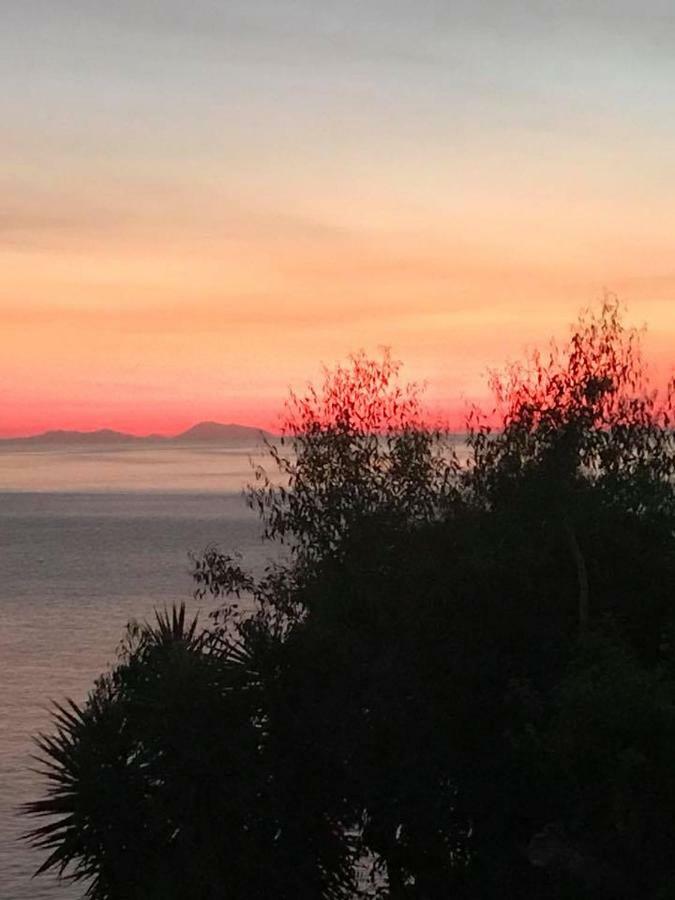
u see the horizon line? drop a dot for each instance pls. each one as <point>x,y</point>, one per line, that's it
<point>159,435</point>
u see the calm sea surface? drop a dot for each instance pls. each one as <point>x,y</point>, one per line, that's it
<point>89,540</point>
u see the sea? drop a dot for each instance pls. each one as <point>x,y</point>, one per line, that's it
<point>90,539</point>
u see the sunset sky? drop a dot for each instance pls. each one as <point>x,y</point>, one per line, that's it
<point>201,202</point>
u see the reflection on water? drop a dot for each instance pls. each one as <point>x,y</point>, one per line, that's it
<point>75,566</point>
<point>128,469</point>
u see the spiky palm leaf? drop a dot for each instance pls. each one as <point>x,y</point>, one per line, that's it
<point>177,778</point>
<point>79,761</point>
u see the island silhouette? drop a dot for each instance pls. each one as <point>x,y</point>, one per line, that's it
<point>207,432</point>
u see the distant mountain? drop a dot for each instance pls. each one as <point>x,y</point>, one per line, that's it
<point>217,433</point>
<point>61,438</point>
<point>202,433</point>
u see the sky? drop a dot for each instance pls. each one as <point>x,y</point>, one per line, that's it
<point>201,203</point>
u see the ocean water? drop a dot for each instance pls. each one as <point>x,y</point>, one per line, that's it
<point>89,540</point>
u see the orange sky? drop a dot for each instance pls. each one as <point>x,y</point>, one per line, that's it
<point>200,206</point>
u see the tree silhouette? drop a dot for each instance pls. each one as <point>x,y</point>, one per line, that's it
<point>175,780</point>
<point>582,418</point>
<point>464,673</point>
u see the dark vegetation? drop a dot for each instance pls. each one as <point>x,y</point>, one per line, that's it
<point>462,674</point>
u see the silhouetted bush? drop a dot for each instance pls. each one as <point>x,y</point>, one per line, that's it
<point>174,781</point>
<point>462,673</point>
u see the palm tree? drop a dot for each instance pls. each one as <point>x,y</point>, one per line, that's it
<point>173,778</point>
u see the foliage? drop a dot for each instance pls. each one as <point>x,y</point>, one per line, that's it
<point>355,457</point>
<point>175,777</point>
<point>359,450</point>
<point>582,440</point>
<point>586,412</point>
<point>609,746</point>
<point>462,673</point>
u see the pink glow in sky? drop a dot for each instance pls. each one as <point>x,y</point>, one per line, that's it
<point>201,203</point>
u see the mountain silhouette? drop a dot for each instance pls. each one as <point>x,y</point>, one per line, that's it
<point>230,434</point>
<point>208,432</point>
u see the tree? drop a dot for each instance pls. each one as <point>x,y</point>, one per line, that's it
<point>580,478</point>
<point>358,468</point>
<point>360,451</point>
<point>581,427</point>
<point>608,746</point>
<point>444,659</point>
<point>355,465</point>
<point>472,599</point>
<point>176,778</point>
